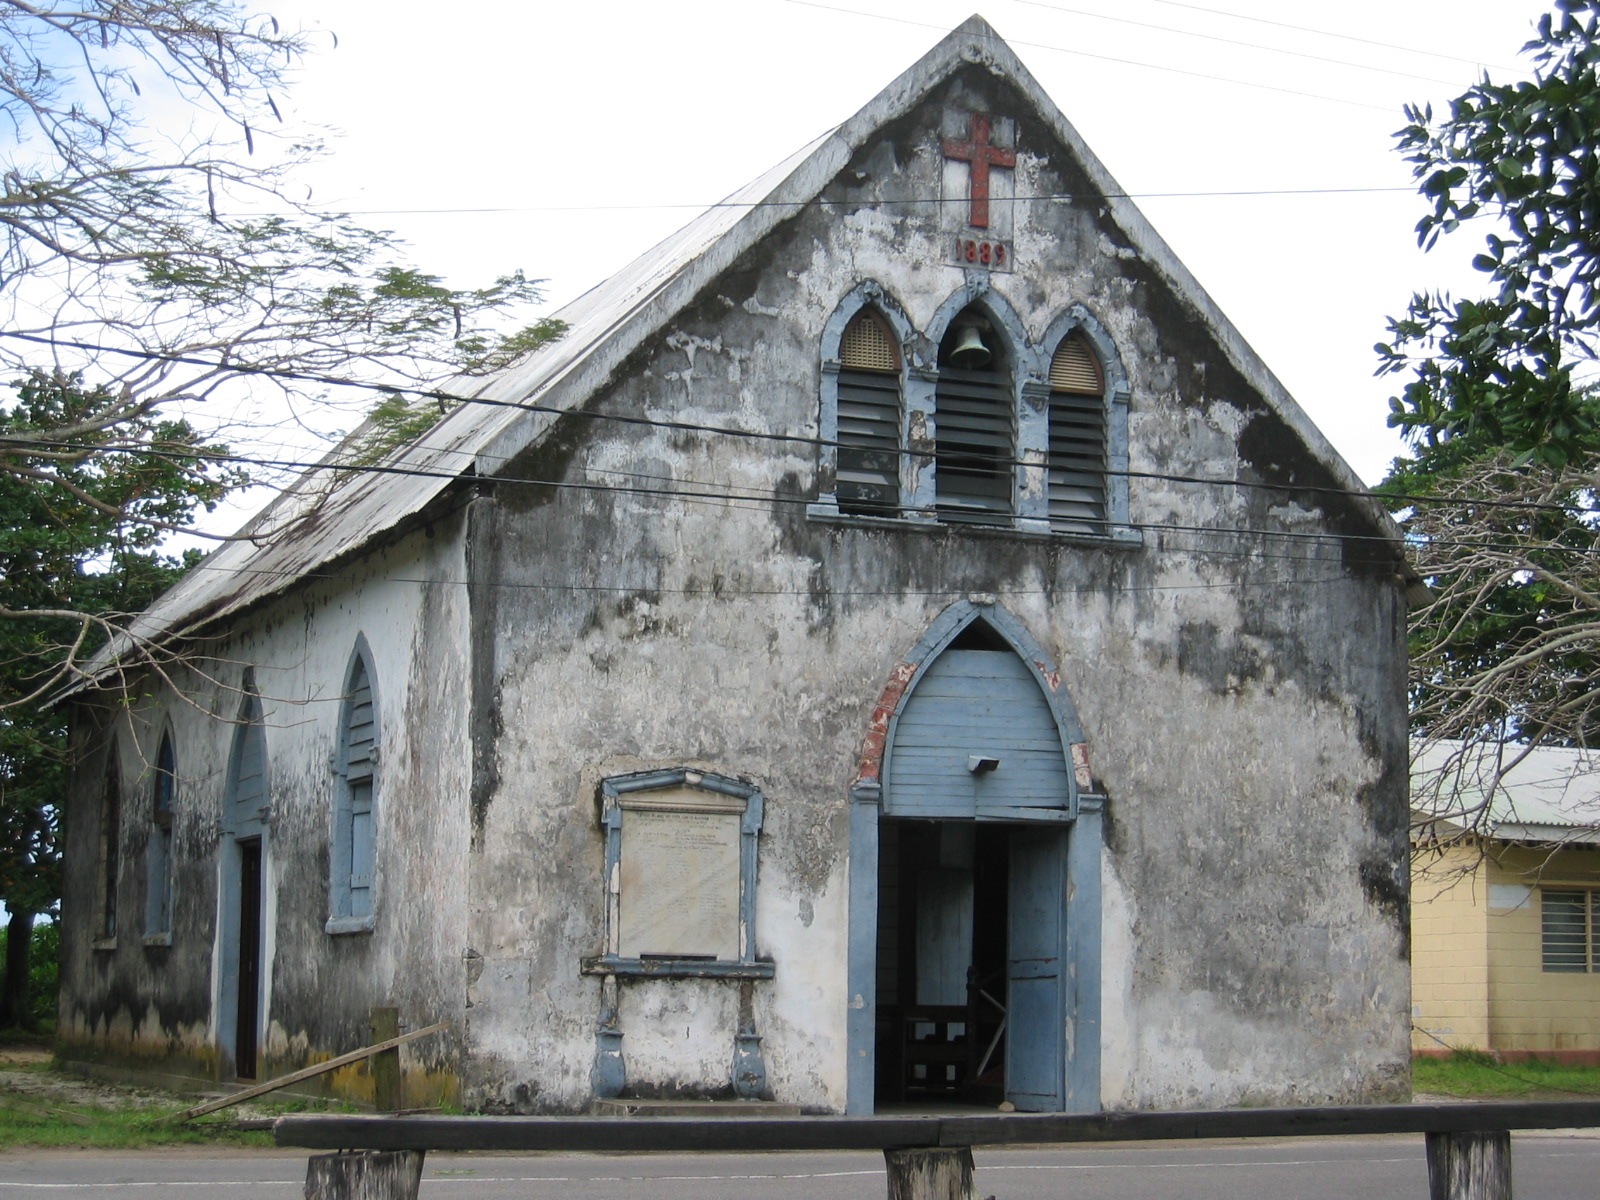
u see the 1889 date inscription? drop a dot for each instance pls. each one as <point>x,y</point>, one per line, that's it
<point>988,253</point>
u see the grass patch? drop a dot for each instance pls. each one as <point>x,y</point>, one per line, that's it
<point>1473,1073</point>
<point>32,1121</point>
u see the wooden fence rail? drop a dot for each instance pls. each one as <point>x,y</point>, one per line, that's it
<point>380,1158</point>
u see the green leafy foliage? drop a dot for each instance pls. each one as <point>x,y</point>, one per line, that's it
<point>1503,430</point>
<point>1496,373</point>
<point>81,520</point>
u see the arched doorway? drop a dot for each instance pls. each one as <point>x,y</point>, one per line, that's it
<point>984,976</point>
<point>242,862</point>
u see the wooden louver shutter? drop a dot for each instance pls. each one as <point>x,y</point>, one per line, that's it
<point>868,472</point>
<point>360,732</point>
<point>360,737</point>
<point>975,446</point>
<point>1077,457</point>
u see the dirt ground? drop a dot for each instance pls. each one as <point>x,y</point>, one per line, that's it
<point>26,1074</point>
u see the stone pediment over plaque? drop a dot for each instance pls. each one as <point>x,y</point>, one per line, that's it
<point>680,876</point>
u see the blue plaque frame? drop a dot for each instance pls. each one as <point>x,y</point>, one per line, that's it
<point>747,966</point>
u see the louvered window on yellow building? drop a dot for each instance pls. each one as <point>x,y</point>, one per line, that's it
<point>868,472</point>
<point>1568,924</point>
<point>1077,458</point>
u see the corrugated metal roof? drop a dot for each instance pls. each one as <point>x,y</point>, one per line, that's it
<point>325,518</point>
<point>1548,794</point>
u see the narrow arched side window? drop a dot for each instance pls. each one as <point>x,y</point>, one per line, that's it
<point>868,472</point>
<point>110,847</point>
<point>355,802</point>
<point>975,415</point>
<point>158,862</point>
<point>1077,454</point>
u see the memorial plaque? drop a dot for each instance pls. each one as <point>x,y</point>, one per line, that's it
<point>680,883</point>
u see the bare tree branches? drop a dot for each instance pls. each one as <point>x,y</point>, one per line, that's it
<point>1506,655</point>
<point>155,264</point>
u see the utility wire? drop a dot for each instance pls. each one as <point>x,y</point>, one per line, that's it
<point>1386,498</point>
<point>1226,41</point>
<point>756,502</point>
<point>1328,33</point>
<point>1231,193</point>
<point>727,593</point>
<point>1126,62</point>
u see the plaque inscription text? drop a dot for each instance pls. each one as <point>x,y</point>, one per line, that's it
<point>679,885</point>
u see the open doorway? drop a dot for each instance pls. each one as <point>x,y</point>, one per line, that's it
<point>971,1002</point>
<point>942,926</point>
<point>240,999</point>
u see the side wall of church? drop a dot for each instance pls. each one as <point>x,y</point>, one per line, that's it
<point>1239,673</point>
<point>146,1002</point>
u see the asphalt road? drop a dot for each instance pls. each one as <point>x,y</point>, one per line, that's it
<point>1388,1168</point>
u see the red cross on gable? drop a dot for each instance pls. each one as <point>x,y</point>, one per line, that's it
<point>977,151</point>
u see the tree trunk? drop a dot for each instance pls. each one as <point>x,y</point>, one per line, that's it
<point>16,1002</point>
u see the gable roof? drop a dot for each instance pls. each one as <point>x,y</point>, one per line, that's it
<point>314,525</point>
<point>1550,794</point>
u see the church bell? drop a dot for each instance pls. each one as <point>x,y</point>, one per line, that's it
<point>969,350</point>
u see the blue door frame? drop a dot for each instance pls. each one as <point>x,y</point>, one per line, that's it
<point>1074,862</point>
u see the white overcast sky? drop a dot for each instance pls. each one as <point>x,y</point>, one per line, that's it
<point>566,138</point>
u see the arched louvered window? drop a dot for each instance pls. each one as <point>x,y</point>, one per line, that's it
<point>1077,454</point>
<point>354,832</point>
<point>868,474</point>
<point>975,425</point>
<point>158,862</point>
<point>110,846</point>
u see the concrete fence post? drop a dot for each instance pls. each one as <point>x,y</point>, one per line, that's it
<point>364,1175</point>
<point>1469,1166</point>
<point>930,1173</point>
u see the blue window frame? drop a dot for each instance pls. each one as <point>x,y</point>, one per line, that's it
<point>973,421</point>
<point>870,418</point>
<point>158,853</point>
<point>354,841</point>
<point>975,425</point>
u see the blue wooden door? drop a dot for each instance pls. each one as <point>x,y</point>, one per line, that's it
<point>977,705</point>
<point>1035,981</point>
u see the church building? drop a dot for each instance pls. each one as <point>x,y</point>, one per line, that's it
<point>900,645</point>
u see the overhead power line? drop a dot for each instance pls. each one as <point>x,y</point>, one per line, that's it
<point>1111,58</point>
<point>1222,194</point>
<point>809,440</point>
<point>753,499</point>
<point>1328,33</point>
<point>1212,37</point>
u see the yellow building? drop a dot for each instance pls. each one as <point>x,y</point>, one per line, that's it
<point>1505,916</point>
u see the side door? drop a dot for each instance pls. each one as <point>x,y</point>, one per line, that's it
<point>1035,985</point>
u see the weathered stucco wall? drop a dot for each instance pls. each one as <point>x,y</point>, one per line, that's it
<point>128,1003</point>
<point>1239,676</point>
